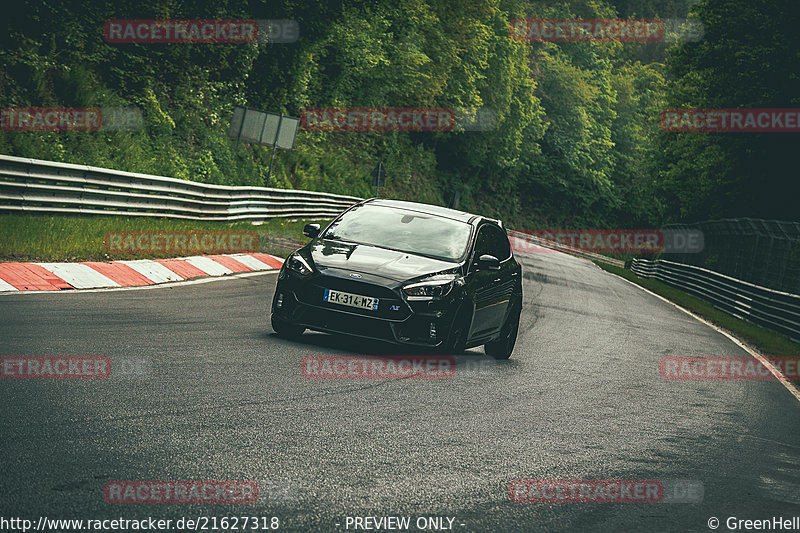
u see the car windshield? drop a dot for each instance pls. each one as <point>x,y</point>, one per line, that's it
<point>403,230</point>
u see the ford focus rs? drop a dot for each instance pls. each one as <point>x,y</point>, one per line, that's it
<point>406,273</point>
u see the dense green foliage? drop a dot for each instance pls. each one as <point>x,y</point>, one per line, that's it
<point>749,58</point>
<point>576,140</point>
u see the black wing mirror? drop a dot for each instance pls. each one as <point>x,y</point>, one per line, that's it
<point>311,230</point>
<point>488,262</point>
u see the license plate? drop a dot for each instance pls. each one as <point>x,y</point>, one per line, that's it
<point>352,300</point>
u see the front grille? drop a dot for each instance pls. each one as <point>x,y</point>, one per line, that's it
<point>390,307</point>
<point>356,325</point>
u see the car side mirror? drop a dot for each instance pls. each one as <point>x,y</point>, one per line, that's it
<point>488,262</point>
<point>311,230</point>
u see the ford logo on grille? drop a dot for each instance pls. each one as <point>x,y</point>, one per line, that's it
<point>354,275</point>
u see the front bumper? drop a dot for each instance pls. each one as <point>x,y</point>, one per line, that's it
<point>299,301</point>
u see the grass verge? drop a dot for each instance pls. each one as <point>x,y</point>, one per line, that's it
<point>29,237</point>
<point>766,341</point>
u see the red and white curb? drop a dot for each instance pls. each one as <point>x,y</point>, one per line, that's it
<point>97,275</point>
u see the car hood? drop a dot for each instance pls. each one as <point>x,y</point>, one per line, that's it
<point>398,266</point>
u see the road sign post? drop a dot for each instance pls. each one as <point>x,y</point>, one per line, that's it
<point>378,177</point>
<point>274,148</point>
<point>267,129</point>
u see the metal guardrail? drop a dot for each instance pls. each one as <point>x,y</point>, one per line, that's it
<point>764,252</point>
<point>36,186</point>
<point>776,310</point>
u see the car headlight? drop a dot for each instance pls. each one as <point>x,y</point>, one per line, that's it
<point>298,264</point>
<point>430,289</point>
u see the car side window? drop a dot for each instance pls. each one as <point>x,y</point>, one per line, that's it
<point>493,241</point>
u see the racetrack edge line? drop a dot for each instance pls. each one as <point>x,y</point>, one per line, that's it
<point>791,387</point>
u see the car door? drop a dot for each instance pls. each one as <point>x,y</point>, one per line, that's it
<point>491,290</point>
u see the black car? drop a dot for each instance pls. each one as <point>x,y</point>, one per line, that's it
<point>406,273</point>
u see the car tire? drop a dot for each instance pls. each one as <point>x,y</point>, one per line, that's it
<point>504,345</point>
<point>285,329</point>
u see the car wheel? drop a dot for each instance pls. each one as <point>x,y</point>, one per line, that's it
<point>503,346</point>
<point>285,329</point>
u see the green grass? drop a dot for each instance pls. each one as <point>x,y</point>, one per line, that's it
<point>81,238</point>
<point>765,340</point>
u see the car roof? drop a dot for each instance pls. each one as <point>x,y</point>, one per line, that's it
<point>429,209</point>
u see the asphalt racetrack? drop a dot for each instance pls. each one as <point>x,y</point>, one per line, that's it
<point>202,389</point>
